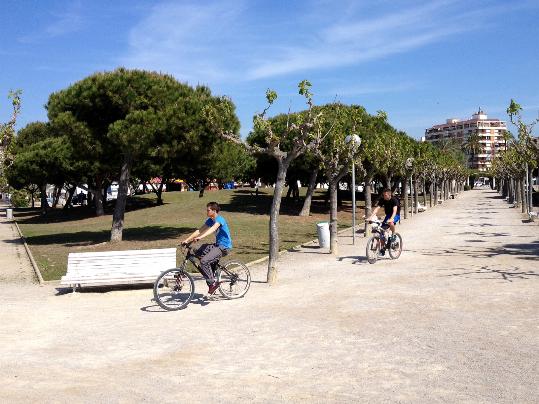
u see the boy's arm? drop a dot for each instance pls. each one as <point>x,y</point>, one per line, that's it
<point>194,234</point>
<point>208,231</point>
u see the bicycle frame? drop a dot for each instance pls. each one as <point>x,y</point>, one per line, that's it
<point>195,260</point>
<point>381,231</point>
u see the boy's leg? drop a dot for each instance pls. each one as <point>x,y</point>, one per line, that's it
<point>212,254</point>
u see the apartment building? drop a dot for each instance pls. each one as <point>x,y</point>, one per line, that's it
<point>491,133</point>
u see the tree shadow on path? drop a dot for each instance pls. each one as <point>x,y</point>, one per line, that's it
<point>488,272</point>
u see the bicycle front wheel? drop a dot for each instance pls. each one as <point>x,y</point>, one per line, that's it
<point>395,248</point>
<point>234,279</point>
<point>174,289</point>
<point>373,249</point>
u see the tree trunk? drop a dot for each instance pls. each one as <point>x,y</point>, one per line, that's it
<point>119,209</point>
<point>202,187</point>
<point>424,192</point>
<point>106,185</point>
<point>416,194</point>
<point>159,193</point>
<point>388,181</point>
<point>524,205</point>
<point>306,209</point>
<point>44,203</point>
<point>274,222</point>
<point>56,195</point>
<point>98,197</point>
<point>70,193</point>
<point>431,193</point>
<point>333,187</point>
<point>368,203</point>
<point>405,197</point>
<point>510,190</point>
<point>517,192</point>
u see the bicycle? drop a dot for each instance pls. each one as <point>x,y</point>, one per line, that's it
<point>380,240</point>
<point>175,287</point>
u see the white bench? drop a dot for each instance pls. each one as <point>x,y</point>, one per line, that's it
<point>117,267</point>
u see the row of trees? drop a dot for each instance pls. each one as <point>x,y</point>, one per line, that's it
<point>514,166</point>
<point>314,141</point>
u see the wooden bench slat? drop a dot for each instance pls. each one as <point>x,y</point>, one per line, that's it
<point>123,252</point>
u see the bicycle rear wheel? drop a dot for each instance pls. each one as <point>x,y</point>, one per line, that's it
<point>174,289</point>
<point>373,249</point>
<point>395,248</point>
<point>234,279</point>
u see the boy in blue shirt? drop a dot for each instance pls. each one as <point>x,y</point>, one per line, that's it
<point>210,253</point>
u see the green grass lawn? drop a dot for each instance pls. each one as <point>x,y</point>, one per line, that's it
<point>52,237</point>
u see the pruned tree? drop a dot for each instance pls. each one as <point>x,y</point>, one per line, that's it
<point>528,153</point>
<point>7,133</point>
<point>336,122</point>
<point>298,135</point>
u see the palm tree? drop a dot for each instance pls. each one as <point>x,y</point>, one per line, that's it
<point>472,145</point>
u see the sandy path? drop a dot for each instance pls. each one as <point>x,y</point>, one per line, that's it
<point>455,319</point>
<point>15,265</point>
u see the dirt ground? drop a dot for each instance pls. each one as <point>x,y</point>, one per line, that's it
<point>455,319</point>
<point>15,267</point>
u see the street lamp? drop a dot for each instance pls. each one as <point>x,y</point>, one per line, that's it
<point>355,142</point>
<point>409,166</point>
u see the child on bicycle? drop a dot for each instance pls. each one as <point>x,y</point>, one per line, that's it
<point>211,253</point>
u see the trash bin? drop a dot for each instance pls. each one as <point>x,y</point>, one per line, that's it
<point>322,229</point>
<point>9,214</point>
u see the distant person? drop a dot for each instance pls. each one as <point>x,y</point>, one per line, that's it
<point>258,184</point>
<point>211,253</point>
<point>391,205</point>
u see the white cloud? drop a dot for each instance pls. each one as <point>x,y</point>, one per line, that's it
<point>235,41</point>
<point>192,41</point>
<point>373,88</point>
<point>61,23</point>
<point>359,39</point>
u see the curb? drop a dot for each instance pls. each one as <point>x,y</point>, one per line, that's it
<point>29,253</point>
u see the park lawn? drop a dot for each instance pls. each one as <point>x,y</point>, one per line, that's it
<point>147,225</point>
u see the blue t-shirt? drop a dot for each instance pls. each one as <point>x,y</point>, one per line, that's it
<point>222,238</point>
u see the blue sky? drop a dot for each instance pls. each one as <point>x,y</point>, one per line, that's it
<point>421,62</point>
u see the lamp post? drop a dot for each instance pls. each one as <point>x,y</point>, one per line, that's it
<point>409,166</point>
<point>355,140</point>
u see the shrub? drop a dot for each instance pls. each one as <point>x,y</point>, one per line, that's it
<point>19,199</point>
<point>466,187</point>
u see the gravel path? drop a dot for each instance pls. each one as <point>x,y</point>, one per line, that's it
<point>455,319</point>
<point>15,266</point>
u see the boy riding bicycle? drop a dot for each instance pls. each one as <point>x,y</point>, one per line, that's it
<point>211,253</point>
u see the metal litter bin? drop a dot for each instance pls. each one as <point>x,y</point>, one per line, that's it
<point>322,229</point>
<point>9,214</point>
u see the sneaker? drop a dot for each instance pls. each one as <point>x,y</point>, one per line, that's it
<point>213,287</point>
<point>383,252</point>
